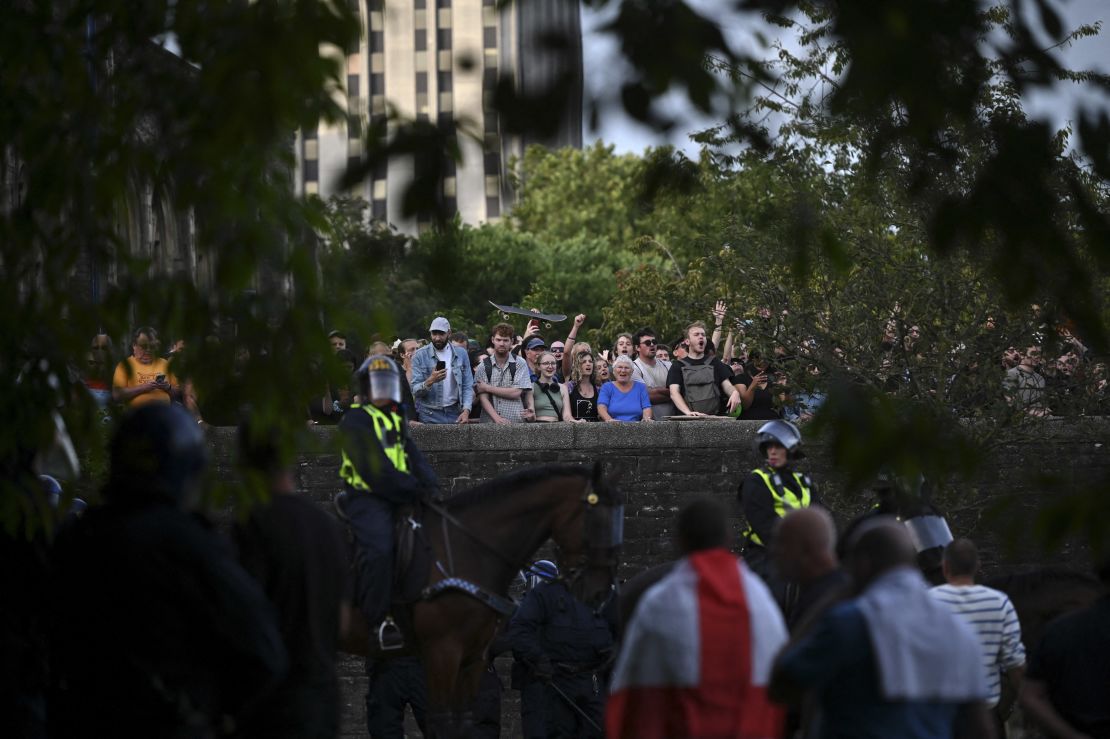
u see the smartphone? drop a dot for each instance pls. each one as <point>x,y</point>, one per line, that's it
<point>160,379</point>
<point>533,324</point>
<point>441,365</point>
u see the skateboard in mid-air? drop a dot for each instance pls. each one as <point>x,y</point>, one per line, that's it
<point>516,311</point>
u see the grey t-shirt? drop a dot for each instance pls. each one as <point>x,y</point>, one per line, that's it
<point>654,377</point>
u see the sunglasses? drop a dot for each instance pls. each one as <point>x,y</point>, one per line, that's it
<point>647,342</point>
<point>556,348</point>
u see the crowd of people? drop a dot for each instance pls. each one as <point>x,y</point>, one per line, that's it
<point>526,377</point>
<point>801,635</point>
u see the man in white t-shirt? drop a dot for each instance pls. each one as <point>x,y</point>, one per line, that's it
<point>442,383</point>
<point>653,373</point>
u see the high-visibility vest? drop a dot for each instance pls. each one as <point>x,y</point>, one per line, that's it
<point>785,499</point>
<point>384,423</point>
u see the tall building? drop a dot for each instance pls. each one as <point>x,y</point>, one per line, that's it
<point>440,60</point>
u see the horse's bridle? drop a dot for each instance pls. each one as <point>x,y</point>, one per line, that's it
<point>602,535</point>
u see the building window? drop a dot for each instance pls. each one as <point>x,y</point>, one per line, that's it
<point>419,4</point>
<point>354,126</point>
<point>443,38</point>
<point>451,206</point>
<point>443,81</point>
<point>377,41</point>
<point>377,84</point>
<point>420,40</point>
<point>489,37</point>
<point>379,211</point>
<point>493,207</point>
<point>310,134</point>
<point>443,3</point>
<point>311,170</point>
<point>421,82</point>
<point>492,162</point>
<point>352,86</point>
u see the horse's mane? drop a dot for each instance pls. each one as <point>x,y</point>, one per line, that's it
<point>1016,584</point>
<point>504,484</point>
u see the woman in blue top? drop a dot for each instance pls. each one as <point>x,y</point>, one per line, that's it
<point>622,399</point>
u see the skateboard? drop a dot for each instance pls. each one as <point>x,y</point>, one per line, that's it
<point>514,310</point>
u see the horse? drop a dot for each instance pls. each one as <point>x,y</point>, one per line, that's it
<point>479,540</point>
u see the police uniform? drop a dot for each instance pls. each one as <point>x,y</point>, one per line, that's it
<point>557,634</point>
<point>766,496</point>
<point>382,468</point>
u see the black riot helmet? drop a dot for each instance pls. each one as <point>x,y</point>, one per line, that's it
<point>780,432</point>
<point>379,379</point>
<point>157,453</point>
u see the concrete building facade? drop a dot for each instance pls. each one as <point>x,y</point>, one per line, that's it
<point>439,61</point>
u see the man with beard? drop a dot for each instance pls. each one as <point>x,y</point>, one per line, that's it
<point>442,383</point>
<point>503,382</point>
<point>698,381</point>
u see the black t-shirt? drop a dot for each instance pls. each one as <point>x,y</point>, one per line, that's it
<point>762,407</point>
<point>1073,660</point>
<point>583,407</point>
<point>721,372</point>
<point>296,551</point>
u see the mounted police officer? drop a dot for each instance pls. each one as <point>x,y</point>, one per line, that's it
<point>382,470</point>
<point>567,647</point>
<point>768,493</point>
<point>156,630</point>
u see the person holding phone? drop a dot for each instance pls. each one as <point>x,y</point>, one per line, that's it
<point>751,386</point>
<point>442,382</point>
<point>144,377</point>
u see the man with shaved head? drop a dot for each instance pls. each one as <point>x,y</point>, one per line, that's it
<point>892,661</point>
<point>804,549</point>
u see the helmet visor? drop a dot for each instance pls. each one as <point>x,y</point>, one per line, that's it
<point>385,385</point>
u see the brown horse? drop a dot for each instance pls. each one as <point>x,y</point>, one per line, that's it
<point>479,542</point>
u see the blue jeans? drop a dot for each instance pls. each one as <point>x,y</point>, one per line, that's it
<point>430,414</point>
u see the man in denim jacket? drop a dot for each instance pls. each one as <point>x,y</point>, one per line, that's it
<point>442,395</point>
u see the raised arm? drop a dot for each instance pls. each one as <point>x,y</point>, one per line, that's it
<point>568,348</point>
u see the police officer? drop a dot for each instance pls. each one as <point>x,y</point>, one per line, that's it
<point>533,702</point>
<point>768,493</point>
<point>382,469</point>
<point>568,647</point>
<point>156,630</point>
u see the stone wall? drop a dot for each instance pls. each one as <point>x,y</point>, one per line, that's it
<point>660,466</point>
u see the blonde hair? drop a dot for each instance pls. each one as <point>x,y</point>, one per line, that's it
<point>576,366</point>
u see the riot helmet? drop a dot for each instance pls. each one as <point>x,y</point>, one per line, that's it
<point>540,571</point>
<point>779,432</point>
<point>157,453</point>
<point>379,380</point>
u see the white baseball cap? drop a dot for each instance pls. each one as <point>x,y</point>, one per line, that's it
<point>440,324</point>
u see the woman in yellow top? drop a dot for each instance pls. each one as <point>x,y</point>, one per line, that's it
<point>144,377</point>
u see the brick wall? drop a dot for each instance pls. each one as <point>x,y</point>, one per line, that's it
<point>661,465</point>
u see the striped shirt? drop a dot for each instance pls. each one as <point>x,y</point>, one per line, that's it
<point>995,621</point>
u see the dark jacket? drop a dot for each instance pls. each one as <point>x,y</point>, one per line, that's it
<point>363,448</point>
<point>551,623</point>
<point>155,630</point>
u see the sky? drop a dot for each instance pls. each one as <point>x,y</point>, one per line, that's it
<point>603,64</point>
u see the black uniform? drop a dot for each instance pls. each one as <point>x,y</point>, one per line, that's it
<point>156,631</point>
<point>297,553</point>
<point>559,636</point>
<point>767,495</point>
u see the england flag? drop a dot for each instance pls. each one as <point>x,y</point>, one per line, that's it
<point>697,655</point>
